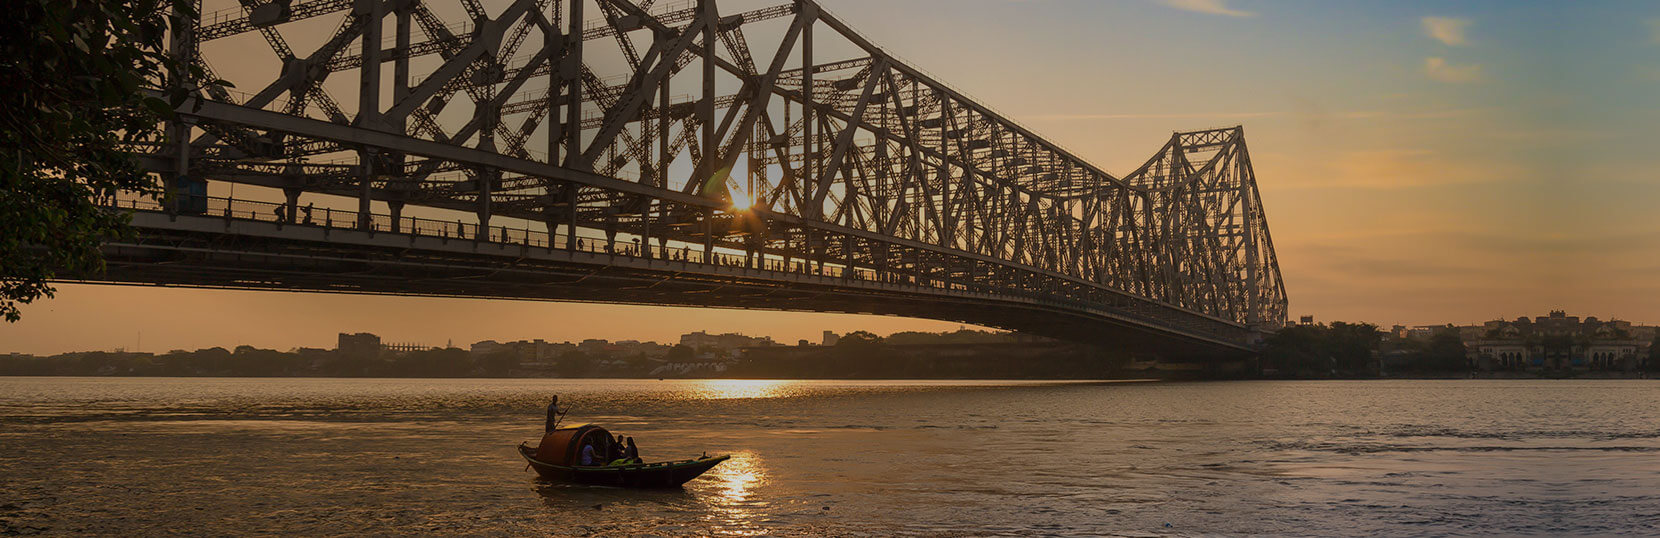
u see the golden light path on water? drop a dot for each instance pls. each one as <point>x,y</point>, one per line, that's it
<point>726,389</point>
<point>734,482</point>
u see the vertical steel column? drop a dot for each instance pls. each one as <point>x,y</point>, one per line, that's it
<point>708,233</point>
<point>368,103</point>
<point>947,226</point>
<point>1247,204</point>
<point>645,228</point>
<point>400,66</point>
<point>706,104</point>
<point>570,216</point>
<point>571,70</point>
<point>486,176</point>
<point>706,110</point>
<point>847,252</point>
<point>182,47</point>
<point>552,40</point>
<point>660,176</point>
<point>662,173</point>
<point>808,177</point>
<point>368,167</point>
<point>400,88</point>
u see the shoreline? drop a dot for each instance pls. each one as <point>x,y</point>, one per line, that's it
<point>1590,376</point>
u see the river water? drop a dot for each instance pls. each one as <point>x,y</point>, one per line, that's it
<point>124,456</point>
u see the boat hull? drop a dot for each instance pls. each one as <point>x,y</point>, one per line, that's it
<point>670,474</point>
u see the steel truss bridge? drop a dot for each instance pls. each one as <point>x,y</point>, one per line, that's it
<point>633,151</point>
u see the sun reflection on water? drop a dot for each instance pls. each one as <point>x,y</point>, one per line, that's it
<point>732,484</point>
<point>726,389</point>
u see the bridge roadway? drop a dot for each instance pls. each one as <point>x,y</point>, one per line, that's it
<point>245,245</point>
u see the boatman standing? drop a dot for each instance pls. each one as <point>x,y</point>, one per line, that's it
<point>554,414</point>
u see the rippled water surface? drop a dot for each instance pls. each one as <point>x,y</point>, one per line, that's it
<point>394,456</point>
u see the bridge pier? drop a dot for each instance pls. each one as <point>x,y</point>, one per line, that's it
<point>570,214</point>
<point>485,180</point>
<point>610,230</point>
<point>645,230</point>
<point>292,195</point>
<point>708,234</point>
<point>365,218</point>
<point>397,215</point>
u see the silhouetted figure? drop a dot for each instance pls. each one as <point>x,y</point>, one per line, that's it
<point>631,452</point>
<point>282,216</point>
<point>554,414</point>
<point>307,210</point>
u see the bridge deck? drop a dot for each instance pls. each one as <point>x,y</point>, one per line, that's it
<point>251,249</point>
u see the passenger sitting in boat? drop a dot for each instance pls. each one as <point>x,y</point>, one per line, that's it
<point>631,452</point>
<point>588,455</point>
<point>615,452</point>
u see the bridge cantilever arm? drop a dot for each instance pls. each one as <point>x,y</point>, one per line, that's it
<point>196,108</point>
<point>455,65</point>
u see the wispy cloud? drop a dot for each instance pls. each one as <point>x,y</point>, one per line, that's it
<point>1443,114</point>
<point>1212,7</point>
<point>1154,116</point>
<point>1447,30</point>
<point>1387,169</point>
<point>1439,69</point>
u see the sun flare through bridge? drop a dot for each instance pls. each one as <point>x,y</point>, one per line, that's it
<point>675,153</point>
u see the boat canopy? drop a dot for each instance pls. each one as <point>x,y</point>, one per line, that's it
<point>564,446</point>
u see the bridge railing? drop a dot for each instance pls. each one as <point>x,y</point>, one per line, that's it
<point>585,241</point>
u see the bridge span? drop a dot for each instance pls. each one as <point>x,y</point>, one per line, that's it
<point>631,151</point>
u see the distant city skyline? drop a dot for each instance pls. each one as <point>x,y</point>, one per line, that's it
<point>1420,163</point>
<point>290,326</point>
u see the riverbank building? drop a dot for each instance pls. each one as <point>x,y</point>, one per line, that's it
<point>1558,341</point>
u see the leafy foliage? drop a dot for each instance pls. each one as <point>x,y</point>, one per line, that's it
<point>72,111</point>
<point>1321,349</point>
<point>859,339</point>
<point>1654,355</point>
<point>1443,352</point>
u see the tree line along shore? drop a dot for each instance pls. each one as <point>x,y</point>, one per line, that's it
<point>1323,351</point>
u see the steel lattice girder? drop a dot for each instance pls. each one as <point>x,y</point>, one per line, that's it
<point>857,159</point>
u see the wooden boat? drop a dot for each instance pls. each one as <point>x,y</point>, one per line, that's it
<point>557,459</point>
